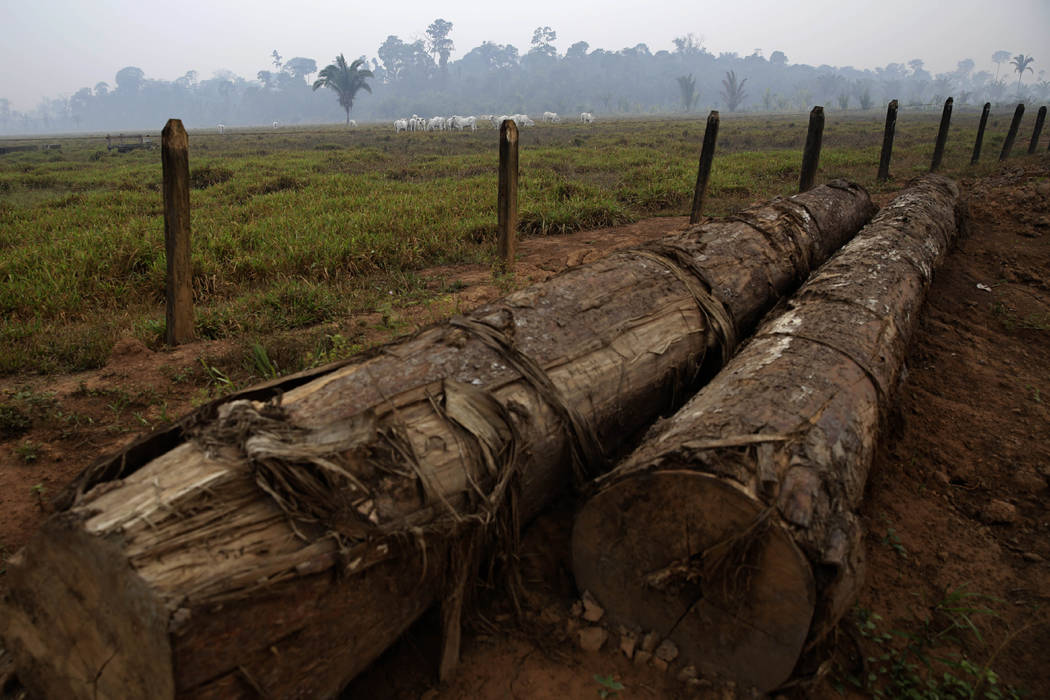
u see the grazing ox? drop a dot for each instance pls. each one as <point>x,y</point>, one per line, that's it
<point>460,123</point>
<point>276,123</point>
<point>522,120</point>
<point>352,123</point>
<point>221,128</point>
<point>586,117</point>
<point>551,117</point>
<point>400,125</point>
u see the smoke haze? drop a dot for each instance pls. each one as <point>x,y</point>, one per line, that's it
<point>54,49</point>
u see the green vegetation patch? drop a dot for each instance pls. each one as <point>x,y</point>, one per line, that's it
<point>303,227</point>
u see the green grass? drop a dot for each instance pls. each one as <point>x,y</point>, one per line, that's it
<point>931,663</point>
<point>302,227</point>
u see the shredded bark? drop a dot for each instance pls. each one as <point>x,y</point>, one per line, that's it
<point>681,264</point>
<point>588,458</point>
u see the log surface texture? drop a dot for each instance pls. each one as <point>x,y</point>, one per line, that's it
<point>732,528</point>
<point>278,546</point>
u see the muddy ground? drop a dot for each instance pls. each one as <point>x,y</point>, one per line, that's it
<point>956,513</point>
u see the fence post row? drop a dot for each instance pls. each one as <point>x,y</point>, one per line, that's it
<point>811,153</point>
<point>980,133</point>
<point>942,135</point>
<point>174,156</point>
<point>507,200</point>
<point>1012,134</point>
<point>1040,117</point>
<point>703,174</point>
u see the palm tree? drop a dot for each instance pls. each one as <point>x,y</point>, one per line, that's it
<point>997,58</point>
<point>345,79</point>
<point>733,93</point>
<point>1021,64</point>
<point>687,84</point>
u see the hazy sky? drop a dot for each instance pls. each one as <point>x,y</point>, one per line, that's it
<point>54,47</point>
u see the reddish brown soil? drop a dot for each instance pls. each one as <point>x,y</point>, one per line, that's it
<point>956,499</point>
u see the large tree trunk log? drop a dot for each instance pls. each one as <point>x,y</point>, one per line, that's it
<point>280,547</point>
<point>731,529</point>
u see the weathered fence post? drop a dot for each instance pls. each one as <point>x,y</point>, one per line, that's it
<point>507,202</point>
<point>707,155</point>
<point>887,141</point>
<point>942,135</point>
<point>980,134</point>
<point>1012,134</point>
<point>1040,117</point>
<point>811,153</point>
<point>175,163</point>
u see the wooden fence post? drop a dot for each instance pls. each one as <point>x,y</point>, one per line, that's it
<point>174,157</point>
<point>887,141</point>
<point>1012,134</point>
<point>942,135</point>
<point>811,153</point>
<point>507,201</point>
<point>1040,117</point>
<point>980,134</point>
<point>707,155</point>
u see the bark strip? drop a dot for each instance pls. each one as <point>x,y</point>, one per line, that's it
<point>732,528</point>
<point>278,542</point>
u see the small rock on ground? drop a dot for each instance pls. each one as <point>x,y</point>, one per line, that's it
<point>627,644</point>
<point>667,651</point>
<point>999,512</point>
<point>592,612</point>
<point>592,638</point>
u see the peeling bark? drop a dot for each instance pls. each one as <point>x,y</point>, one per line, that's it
<point>732,528</point>
<point>279,541</point>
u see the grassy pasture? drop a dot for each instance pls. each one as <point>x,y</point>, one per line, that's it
<point>301,226</point>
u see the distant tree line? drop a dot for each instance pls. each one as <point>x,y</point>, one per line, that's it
<point>419,77</point>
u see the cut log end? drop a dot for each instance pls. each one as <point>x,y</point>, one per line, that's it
<point>106,631</point>
<point>711,570</point>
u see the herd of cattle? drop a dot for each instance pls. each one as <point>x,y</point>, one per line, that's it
<point>418,123</point>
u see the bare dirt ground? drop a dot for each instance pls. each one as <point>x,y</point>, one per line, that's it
<point>956,506</point>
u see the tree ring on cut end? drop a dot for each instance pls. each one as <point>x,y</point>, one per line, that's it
<point>703,563</point>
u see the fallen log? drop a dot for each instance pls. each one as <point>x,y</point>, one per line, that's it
<point>277,546</point>
<point>731,529</point>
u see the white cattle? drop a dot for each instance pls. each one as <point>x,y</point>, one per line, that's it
<point>521,120</point>
<point>551,117</point>
<point>436,124</point>
<point>586,117</point>
<point>221,128</point>
<point>276,124</point>
<point>486,118</point>
<point>352,123</point>
<point>400,125</point>
<point>460,123</point>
